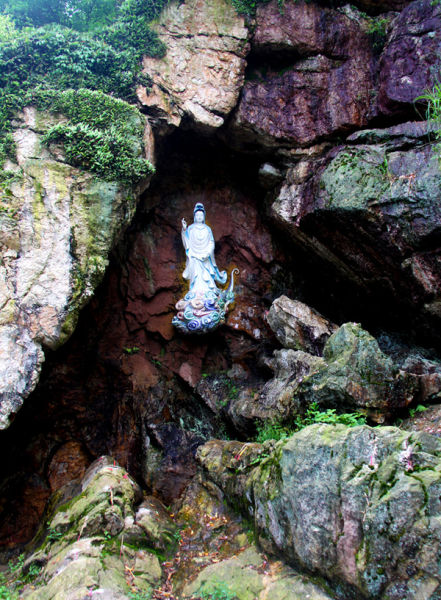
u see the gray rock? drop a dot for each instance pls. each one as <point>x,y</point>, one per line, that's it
<point>356,374</point>
<point>57,227</point>
<point>358,506</point>
<point>298,326</point>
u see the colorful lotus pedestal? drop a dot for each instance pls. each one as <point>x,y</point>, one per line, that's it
<point>202,312</point>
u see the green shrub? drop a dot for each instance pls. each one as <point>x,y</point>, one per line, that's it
<point>272,430</point>
<point>315,415</point>
<point>56,58</point>
<point>277,430</point>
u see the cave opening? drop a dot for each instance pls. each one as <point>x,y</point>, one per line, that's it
<point>126,384</point>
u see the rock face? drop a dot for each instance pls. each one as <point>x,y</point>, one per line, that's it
<point>249,576</point>
<point>372,210</point>
<point>325,80</point>
<point>57,227</point>
<point>202,73</point>
<point>413,49</point>
<point>358,506</point>
<point>356,374</point>
<point>353,374</point>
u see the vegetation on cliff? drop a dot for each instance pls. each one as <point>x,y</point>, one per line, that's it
<point>46,48</point>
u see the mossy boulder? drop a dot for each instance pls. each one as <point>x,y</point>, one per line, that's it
<point>356,374</point>
<point>359,506</point>
<point>249,576</point>
<point>92,545</point>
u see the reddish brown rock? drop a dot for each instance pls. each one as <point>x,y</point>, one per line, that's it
<point>412,58</point>
<point>327,91</point>
<point>69,462</point>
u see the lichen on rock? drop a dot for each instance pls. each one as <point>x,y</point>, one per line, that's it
<point>347,504</point>
<point>58,225</point>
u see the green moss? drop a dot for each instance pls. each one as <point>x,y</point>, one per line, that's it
<point>103,134</point>
<point>57,58</point>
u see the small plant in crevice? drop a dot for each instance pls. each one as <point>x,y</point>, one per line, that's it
<point>280,430</point>
<point>53,535</point>
<point>418,409</point>
<point>314,415</point>
<point>432,98</point>
<point>131,350</point>
<point>271,430</point>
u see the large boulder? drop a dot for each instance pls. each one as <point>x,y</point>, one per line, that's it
<point>411,59</point>
<point>57,226</point>
<point>358,506</point>
<point>97,543</point>
<point>201,75</point>
<point>353,374</point>
<point>356,374</point>
<point>249,576</point>
<point>298,326</point>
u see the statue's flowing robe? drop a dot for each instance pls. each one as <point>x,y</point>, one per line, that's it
<point>201,268</point>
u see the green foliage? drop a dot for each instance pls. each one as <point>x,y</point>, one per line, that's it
<point>139,595</point>
<point>7,28</point>
<point>53,535</point>
<point>433,111</point>
<point>315,415</point>
<point>54,56</point>
<point>249,7</point>
<point>7,594</point>
<point>417,409</point>
<point>216,591</point>
<point>272,430</point>
<point>276,430</point>
<point>16,565</point>
<point>132,350</point>
<point>377,31</point>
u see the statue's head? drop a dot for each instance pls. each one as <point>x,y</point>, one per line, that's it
<point>199,213</point>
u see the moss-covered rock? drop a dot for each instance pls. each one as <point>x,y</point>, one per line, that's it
<point>249,576</point>
<point>357,374</point>
<point>359,506</point>
<point>371,208</point>
<point>57,226</point>
<point>91,545</point>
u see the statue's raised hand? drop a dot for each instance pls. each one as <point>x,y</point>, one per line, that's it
<point>184,224</point>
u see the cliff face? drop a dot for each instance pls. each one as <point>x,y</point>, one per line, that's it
<point>297,129</point>
<point>58,224</point>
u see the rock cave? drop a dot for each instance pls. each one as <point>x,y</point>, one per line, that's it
<point>295,451</point>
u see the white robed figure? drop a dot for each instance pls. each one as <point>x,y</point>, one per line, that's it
<point>200,268</point>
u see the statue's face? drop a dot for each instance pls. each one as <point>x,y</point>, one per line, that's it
<point>199,216</point>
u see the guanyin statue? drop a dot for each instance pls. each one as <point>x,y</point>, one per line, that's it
<point>204,307</point>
